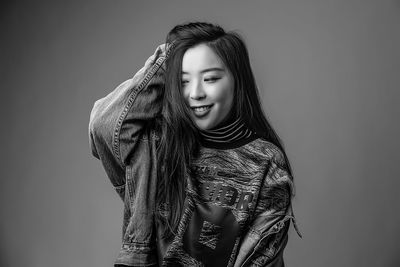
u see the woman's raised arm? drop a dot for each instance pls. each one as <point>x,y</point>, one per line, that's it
<point>119,120</point>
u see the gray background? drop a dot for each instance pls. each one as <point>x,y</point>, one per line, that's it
<point>328,72</point>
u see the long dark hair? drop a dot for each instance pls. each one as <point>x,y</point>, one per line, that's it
<point>179,138</point>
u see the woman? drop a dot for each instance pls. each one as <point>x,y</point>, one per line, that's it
<point>204,177</point>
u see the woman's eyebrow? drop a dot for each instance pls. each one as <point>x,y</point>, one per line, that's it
<point>212,69</point>
<point>207,70</point>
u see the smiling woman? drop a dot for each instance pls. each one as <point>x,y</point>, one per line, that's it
<point>203,175</point>
<point>208,86</point>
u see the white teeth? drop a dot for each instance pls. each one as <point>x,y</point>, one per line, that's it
<point>200,109</point>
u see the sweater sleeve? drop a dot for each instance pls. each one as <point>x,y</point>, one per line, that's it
<point>118,121</point>
<point>264,242</point>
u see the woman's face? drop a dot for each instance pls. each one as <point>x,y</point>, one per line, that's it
<point>208,86</point>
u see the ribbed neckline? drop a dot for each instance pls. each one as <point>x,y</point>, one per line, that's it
<point>233,133</point>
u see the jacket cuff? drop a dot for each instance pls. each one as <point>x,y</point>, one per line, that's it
<point>137,254</point>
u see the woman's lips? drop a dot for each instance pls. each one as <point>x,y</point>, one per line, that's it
<point>201,111</point>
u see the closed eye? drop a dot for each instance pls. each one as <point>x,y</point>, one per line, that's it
<point>212,79</point>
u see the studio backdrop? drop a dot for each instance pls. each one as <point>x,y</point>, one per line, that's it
<point>328,74</point>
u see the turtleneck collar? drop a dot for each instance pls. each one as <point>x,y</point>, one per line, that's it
<point>229,134</point>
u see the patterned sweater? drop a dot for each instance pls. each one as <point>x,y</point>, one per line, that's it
<point>239,187</point>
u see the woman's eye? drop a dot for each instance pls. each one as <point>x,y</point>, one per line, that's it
<point>184,82</point>
<point>211,79</point>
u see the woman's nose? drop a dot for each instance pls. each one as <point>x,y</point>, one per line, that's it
<point>197,91</point>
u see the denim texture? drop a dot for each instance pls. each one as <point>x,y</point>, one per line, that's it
<point>122,135</point>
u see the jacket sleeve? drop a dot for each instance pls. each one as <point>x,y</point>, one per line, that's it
<point>264,242</point>
<point>119,120</point>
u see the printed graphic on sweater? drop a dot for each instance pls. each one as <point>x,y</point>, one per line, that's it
<point>226,197</point>
<point>213,229</point>
<point>218,193</point>
<point>211,235</point>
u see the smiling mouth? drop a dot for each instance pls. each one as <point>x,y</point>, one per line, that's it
<point>201,111</point>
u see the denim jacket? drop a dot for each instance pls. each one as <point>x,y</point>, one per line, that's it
<point>122,136</point>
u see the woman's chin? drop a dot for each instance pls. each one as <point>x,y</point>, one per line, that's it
<point>203,125</point>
